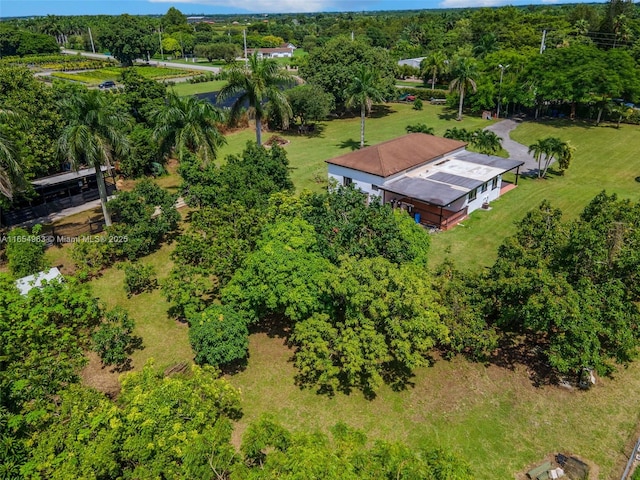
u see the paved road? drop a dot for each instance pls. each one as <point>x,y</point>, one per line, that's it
<point>186,66</point>
<point>516,150</point>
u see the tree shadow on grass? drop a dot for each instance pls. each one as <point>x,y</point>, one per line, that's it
<point>528,351</point>
<point>350,144</point>
<point>447,116</point>
<point>380,111</point>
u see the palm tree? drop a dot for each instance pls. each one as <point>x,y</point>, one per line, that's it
<point>256,82</point>
<point>463,72</point>
<point>486,141</point>
<point>363,91</point>
<point>10,169</point>
<point>95,131</point>
<point>191,124</point>
<point>538,149</point>
<point>433,65</point>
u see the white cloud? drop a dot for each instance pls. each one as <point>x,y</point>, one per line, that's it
<point>471,3</point>
<point>266,6</point>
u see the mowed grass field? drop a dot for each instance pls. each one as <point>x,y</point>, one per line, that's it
<point>492,415</point>
<point>606,158</point>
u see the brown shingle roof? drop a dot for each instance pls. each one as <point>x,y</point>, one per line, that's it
<point>393,156</point>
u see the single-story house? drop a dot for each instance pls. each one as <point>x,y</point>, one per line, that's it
<point>281,52</point>
<point>435,179</point>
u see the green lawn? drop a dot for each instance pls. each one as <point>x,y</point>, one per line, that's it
<point>307,154</point>
<point>605,158</point>
<point>186,88</point>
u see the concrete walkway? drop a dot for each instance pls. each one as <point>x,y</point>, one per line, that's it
<point>516,150</point>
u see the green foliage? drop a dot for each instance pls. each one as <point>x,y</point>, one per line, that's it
<point>382,322</point>
<point>283,277</point>
<point>345,224</point>
<point>23,42</point>
<point>128,38</point>
<point>144,152</point>
<point>42,339</point>
<point>550,280</point>
<point>248,179</point>
<point>36,124</point>
<point>420,128</point>
<point>271,451</point>
<point>113,340</point>
<point>25,251</point>
<point>176,427</point>
<point>417,104</point>
<point>309,102</point>
<point>139,278</point>
<point>219,336</point>
<point>91,256</point>
<point>333,66</point>
<point>423,94</point>
<point>146,216</point>
<point>143,95</point>
<point>218,51</point>
<point>551,148</point>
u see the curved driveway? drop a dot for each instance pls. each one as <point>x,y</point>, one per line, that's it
<point>516,150</point>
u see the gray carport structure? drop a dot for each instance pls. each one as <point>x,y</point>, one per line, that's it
<point>58,192</point>
<point>440,191</point>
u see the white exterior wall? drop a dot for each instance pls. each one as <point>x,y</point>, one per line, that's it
<point>484,197</point>
<point>361,180</point>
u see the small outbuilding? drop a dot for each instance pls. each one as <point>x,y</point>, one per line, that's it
<point>26,284</point>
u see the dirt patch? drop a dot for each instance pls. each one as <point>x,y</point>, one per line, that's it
<point>103,379</point>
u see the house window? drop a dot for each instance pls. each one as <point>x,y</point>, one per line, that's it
<point>374,188</point>
<point>494,183</point>
<point>346,181</point>
<point>473,194</point>
<point>485,186</point>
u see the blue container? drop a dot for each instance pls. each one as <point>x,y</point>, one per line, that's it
<point>417,217</point>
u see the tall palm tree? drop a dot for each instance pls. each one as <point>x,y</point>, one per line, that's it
<point>10,169</point>
<point>191,124</point>
<point>363,90</point>
<point>433,65</point>
<point>257,82</point>
<point>539,149</point>
<point>463,71</point>
<point>95,131</point>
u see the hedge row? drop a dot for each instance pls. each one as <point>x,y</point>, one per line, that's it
<point>423,93</point>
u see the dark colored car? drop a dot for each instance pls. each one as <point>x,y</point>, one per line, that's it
<point>107,84</point>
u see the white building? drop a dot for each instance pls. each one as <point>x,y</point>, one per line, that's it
<point>436,179</point>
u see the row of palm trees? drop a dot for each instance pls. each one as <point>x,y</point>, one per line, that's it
<point>548,149</point>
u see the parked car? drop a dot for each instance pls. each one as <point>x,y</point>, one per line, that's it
<point>107,84</point>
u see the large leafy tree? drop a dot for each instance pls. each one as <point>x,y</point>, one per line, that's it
<point>259,83</point>
<point>94,134</point>
<point>332,66</point>
<point>10,169</point>
<point>128,38</point>
<point>309,102</point>
<point>363,90</point>
<point>464,72</point>
<point>188,124</point>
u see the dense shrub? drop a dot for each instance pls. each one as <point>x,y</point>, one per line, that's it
<point>114,340</point>
<point>25,251</point>
<point>139,278</point>
<point>91,256</point>
<point>424,93</point>
<point>218,335</point>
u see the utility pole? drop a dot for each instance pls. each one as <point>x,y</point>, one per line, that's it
<point>543,47</point>
<point>502,69</point>
<point>160,37</point>
<point>93,47</point>
<point>244,38</point>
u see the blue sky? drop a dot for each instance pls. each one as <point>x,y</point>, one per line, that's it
<point>12,8</point>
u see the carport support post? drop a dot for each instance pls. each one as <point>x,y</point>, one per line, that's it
<point>517,173</point>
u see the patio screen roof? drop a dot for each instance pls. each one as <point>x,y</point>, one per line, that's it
<point>426,190</point>
<point>65,177</point>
